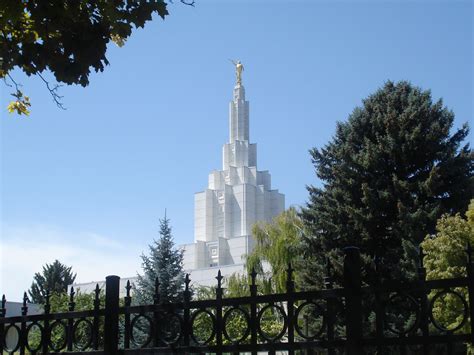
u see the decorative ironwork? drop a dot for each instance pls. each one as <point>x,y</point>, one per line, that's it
<point>398,303</point>
<point>86,330</point>
<point>307,310</point>
<point>282,319</point>
<point>464,313</point>
<point>230,316</point>
<point>212,329</point>
<point>329,318</point>
<point>62,343</point>
<point>144,329</point>
<point>29,331</point>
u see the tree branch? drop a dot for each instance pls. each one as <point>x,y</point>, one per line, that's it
<point>53,91</point>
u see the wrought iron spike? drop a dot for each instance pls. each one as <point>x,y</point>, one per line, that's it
<point>47,305</point>
<point>219,278</point>
<point>328,267</point>
<point>421,255</point>
<point>97,290</point>
<point>128,288</point>
<point>156,296</point>
<point>71,296</point>
<point>253,276</point>
<point>3,311</point>
<point>469,253</point>
<point>24,309</point>
<point>290,270</point>
<point>187,280</point>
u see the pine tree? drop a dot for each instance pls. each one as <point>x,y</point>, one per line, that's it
<point>164,263</point>
<point>388,174</point>
<point>55,278</point>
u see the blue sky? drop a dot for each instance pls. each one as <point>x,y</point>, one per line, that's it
<point>88,185</point>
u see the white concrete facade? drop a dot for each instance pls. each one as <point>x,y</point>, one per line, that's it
<point>236,197</point>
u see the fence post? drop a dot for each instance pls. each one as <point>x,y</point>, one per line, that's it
<point>219,325</point>
<point>186,312</point>
<point>46,330</point>
<point>128,302</point>
<point>423,302</point>
<point>331,310</point>
<point>253,312</point>
<point>156,315</point>
<point>112,285</point>
<point>23,336</point>
<point>353,296</point>
<point>3,312</point>
<point>70,322</point>
<point>290,289</point>
<point>95,332</point>
<point>470,286</point>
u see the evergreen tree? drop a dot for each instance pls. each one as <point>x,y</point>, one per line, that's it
<point>388,174</point>
<point>164,263</point>
<point>55,277</point>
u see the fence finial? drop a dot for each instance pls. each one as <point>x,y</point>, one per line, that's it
<point>469,253</point>
<point>421,256</point>
<point>2,309</point>
<point>253,276</point>
<point>47,305</point>
<point>328,267</point>
<point>156,296</point>
<point>24,309</point>
<point>187,280</point>
<point>72,304</point>
<point>289,272</point>
<point>97,294</point>
<point>219,278</point>
<point>128,288</point>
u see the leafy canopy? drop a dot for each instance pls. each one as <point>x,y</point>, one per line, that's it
<point>391,170</point>
<point>446,258</point>
<point>165,264</point>
<point>67,37</point>
<point>276,245</point>
<point>54,278</point>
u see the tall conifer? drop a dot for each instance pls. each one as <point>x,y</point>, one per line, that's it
<point>388,174</point>
<point>165,263</point>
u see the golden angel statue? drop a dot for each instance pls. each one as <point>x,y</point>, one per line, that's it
<point>238,70</point>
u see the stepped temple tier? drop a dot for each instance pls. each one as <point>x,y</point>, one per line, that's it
<point>236,197</point>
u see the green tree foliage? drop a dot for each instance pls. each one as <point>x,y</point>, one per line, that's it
<point>59,303</point>
<point>55,278</point>
<point>276,245</point>
<point>387,175</point>
<point>66,37</point>
<point>164,263</point>
<point>446,258</point>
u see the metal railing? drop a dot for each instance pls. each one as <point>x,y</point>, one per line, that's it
<point>384,318</point>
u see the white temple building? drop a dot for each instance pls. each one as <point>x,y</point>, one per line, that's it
<point>236,197</point>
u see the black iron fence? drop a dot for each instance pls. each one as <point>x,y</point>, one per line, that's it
<point>398,318</point>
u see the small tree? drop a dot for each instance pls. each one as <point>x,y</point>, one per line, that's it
<point>276,246</point>
<point>165,264</point>
<point>446,258</point>
<point>55,278</point>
